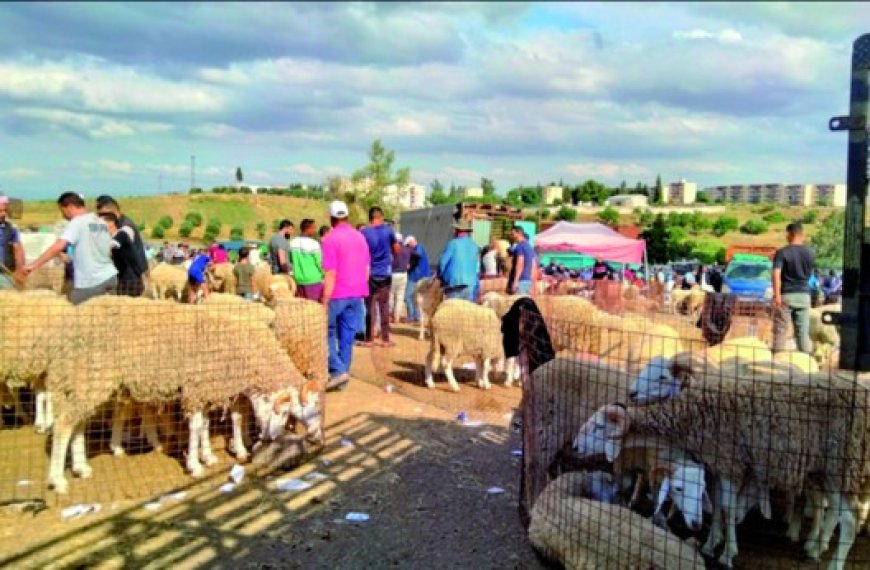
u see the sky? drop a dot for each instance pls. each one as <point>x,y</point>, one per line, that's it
<point>117,97</point>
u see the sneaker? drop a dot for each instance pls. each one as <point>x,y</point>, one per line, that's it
<point>337,382</point>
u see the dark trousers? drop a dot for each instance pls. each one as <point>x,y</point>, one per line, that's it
<point>378,306</point>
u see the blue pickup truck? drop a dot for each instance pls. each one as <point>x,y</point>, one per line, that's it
<point>749,278</point>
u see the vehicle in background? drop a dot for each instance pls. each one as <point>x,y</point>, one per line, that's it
<point>764,251</point>
<point>748,277</point>
<point>683,266</point>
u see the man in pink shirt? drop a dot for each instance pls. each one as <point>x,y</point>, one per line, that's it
<point>346,283</point>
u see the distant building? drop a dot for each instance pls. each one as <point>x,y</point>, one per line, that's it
<point>474,192</point>
<point>553,193</point>
<point>411,197</point>
<point>680,193</point>
<point>791,194</point>
<point>627,201</point>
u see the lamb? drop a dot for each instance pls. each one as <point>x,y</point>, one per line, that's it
<point>269,286</point>
<point>825,338</point>
<point>782,433</point>
<point>28,321</point>
<point>221,278</point>
<point>583,533</point>
<point>166,280</point>
<point>459,327</point>
<point>153,352</point>
<point>48,277</point>
<point>428,295</point>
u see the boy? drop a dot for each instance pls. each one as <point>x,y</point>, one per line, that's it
<point>196,281</point>
<point>124,256</point>
<point>244,273</point>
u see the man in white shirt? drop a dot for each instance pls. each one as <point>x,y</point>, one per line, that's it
<point>94,272</point>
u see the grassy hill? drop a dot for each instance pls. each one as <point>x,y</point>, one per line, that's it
<point>231,209</point>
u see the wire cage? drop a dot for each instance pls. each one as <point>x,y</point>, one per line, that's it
<point>651,446</point>
<point>122,397</point>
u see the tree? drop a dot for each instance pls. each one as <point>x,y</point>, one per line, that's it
<point>261,230</point>
<point>702,197</point>
<point>158,231</point>
<point>195,219</point>
<point>239,177</point>
<point>379,173</point>
<point>437,196</point>
<point>698,222</point>
<point>237,233</point>
<point>827,241</point>
<point>591,191</point>
<point>657,240</point>
<point>185,229</point>
<point>566,213</point>
<point>810,216</point>
<point>659,191</point>
<point>488,186</point>
<point>609,216</point>
<point>725,224</point>
<point>754,227</point>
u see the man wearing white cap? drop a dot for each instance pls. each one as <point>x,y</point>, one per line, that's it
<point>345,264</point>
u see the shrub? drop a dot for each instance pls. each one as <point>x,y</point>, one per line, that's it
<point>185,229</point>
<point>776,217</point>
<point>195,191</point>
<point>140,227</point>
<point>725,224</point>
<point>566,213</point>
<point>195,219</point>
<point>609,216</point>
<point>157,232</point>
<point>237,233</point>
<point>698,222</point>
<point>165,221</point>
<point>754,227</point>
<point>214,226</point>
<point>209,235</point>
<point>708,251</point>
<point>275,223</point>
<point>261,230</point>
<point>810,216</point>
<point>702,198</point>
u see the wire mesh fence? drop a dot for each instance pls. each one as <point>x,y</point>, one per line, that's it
<point>123,396</point>
<point>649,445</point>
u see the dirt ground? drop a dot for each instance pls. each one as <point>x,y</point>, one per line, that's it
<point>394,451</point>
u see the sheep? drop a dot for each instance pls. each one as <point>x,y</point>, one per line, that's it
<point>49,277</point>
<point>671,472</point>
<point>301,329</point>
<point>166,279</point>
<point>459,327</point>
<point>743,349</point>
<point>782,433</point>
<point>825,338</point>
<point>29,321</point>
<point>562,394</point>
<point>221,278</point>
<point>583,533</point>
<point>269,286</point>
<point>153,352</point>
<point>427,295</point>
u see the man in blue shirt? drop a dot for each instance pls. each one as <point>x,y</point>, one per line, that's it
<point>382,244</point>
<point>196,278</point>
<point>458,265</point>
<point>419,269</point>
<point>520,280</point>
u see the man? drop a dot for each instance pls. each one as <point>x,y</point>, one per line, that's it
<point>196,278</point>
<point>401,263</point>
<point>792,267</point>
<point>306,258</point>
<point>599,270</point>
<point>279,246</point>
<point>832,288</point>
<point>11,250</point>
<point>93,271</point>
<point>457,267</point>
<point>138,260</point>
<point>345,285</point>
<point>418,268</point>
<point>382,245</point>
<point>124,257</point>
<point>523,270</point>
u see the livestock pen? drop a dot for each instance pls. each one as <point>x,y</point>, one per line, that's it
<point>123,397</point>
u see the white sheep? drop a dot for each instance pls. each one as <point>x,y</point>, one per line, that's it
<point>427,295</point>
<point>153,351</point>
<point>782,433</point>
<point>459,327</point>
<point>582,533</point>
<point>168,280</point>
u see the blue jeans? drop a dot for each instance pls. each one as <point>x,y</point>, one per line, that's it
<point>524,287</point>
<point>344,318</point>
<point>410,302</point>
<point>466,294</point>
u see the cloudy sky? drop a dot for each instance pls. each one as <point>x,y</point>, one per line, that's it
<point>114,97</point>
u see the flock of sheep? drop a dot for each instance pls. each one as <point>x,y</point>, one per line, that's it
<point>143,357</point>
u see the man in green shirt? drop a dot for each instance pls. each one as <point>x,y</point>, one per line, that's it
<point>305,256</point>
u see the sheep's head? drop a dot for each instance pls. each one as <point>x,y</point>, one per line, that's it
<point>683,482</point>
<point>602,433</point>
<point>663,378</point>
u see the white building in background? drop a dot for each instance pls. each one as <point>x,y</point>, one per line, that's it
<point>680,193</point>
<point>553,193</point>
<point>473,192</point>
<point>410,197</point>
<point>627,201</point>
<point>792,194</point>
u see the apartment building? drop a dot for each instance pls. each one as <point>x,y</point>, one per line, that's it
<point>411,197</point>
<point>791,194</point>
<point>553,193</point>
<point>681,192</point>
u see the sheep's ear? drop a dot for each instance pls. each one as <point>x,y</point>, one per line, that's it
<point>612,447</point>
<point>664,491</point>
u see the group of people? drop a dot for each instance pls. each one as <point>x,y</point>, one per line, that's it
<point>103,250</point>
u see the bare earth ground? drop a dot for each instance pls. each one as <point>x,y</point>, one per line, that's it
<point>400,457</point>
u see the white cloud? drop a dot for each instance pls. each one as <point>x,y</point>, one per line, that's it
<point>92,125</point>
<point>726,36</point>
<point>18,173</point>
<point>609,171</point>
<point>107,165</point>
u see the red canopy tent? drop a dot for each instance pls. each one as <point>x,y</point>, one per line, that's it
<point>593,239</point>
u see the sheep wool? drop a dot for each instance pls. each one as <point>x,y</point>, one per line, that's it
<point>167,279</point>
<point>301,328</point>
<point>583,534</point>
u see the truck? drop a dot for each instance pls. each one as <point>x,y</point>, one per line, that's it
<point>767,251</point>
<point>748,276</point>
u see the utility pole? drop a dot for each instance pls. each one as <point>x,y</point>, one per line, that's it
<point>193,171</point>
